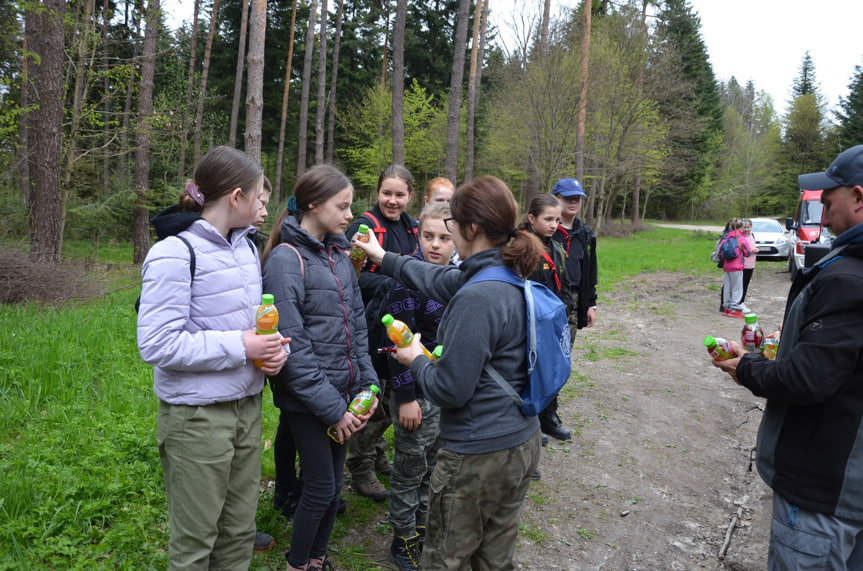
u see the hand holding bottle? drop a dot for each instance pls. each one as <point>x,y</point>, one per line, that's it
<point>372,248</point>
<point>730,365</point>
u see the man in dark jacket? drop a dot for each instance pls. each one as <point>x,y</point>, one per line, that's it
<point>579,243</point>
<point>810,443</point>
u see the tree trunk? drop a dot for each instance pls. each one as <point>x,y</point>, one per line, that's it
<point>141,231</point>
<point>27,69</point>
<point>543,37</point>
<point>255,81</point>
<point>288,66</point>
<point>455,87</point>
<point>304,97</point>
<point>46,140</point>
<point>85,27</point>
<point>582,100</point>
<point>320,112</point>
<point>190,86</point>
<point>399,82</point>
<point>202,96</point>
<point>238,80</point>
<point>331,111</point>
<point>106,105</point>
<point>473,82</point>
<point>636,187</point>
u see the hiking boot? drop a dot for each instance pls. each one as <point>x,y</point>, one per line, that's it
<point>370,487</point>
<point>421,532</point>
<point>382,465</point>
<point>405,553</point>
<point>550,423</point>
<point>263,541</point>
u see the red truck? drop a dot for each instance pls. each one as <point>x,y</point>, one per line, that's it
<point>805,227</point>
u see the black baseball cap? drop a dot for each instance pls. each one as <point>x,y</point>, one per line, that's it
<point>846,170</point>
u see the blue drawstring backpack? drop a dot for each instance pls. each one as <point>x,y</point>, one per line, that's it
<point>548,342</point>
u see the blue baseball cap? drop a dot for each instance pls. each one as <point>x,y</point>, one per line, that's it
<point>846,170</point>
<point>568,187</point>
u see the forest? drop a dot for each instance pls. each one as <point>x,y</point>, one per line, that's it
<point>104,109</point>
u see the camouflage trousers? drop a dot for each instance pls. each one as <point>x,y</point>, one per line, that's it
<point>474,506</point>
<point>412,467</point>
<point>573,319</point>
<point>368,444</point>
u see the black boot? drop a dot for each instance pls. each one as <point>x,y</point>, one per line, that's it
<point>404,552</point>
<point>551,424</point>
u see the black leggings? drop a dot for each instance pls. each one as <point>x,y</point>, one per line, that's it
<point>285,459</point>
<point>323,462</point>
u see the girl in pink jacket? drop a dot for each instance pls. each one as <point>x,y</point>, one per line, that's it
<point>732,287</point>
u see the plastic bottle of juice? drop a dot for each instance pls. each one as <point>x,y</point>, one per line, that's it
<point>771,345</point>
<point>358,407</point>
<point>400,334</point>
<point>718,348</point>
<point>752,337</point>
<point>358,257</point>
<point>266,319</point>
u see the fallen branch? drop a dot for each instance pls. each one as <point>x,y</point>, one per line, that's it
<point>728,533</point>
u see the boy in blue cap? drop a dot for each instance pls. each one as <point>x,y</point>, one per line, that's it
<point>579,243</point>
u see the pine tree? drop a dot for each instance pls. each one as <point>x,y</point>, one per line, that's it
<point>805,82</point>
<point>851,114</point>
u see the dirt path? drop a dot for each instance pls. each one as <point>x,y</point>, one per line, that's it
<point>659,462</point>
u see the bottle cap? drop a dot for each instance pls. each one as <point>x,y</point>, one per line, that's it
<point>363,229</point>
<point>750,318</point>
<point>709,341</point>
<point>387,319</point>
<point>375,389</point>
<point>438,351</point>
<point>267,299</point>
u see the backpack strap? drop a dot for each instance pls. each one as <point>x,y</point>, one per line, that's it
<point>191,256</point>
<point>507,388</point>
<point>380,231</point>
<point>297,252</point>
<point>504,274</point>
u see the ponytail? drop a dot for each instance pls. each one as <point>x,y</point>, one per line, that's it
<point>523,253</point>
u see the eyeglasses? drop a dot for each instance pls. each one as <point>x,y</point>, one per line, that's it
<point>446,222</point>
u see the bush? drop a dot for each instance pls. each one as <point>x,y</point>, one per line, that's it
<point>22,279</point>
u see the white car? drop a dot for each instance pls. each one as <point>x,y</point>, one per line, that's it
<point>771,239</point>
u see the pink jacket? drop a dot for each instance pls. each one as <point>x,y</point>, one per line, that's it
<point>749,261</point>
<point>736,265</point>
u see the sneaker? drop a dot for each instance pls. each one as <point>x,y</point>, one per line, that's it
<point>404,553</point>
<point>263,541</point>
<point>544,439</point>
<point>536,475</point>
<point>322,565</point>
<point>735,313</point>
<point>370,487</point>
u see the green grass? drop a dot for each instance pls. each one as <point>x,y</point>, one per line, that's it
<point>81,484</point>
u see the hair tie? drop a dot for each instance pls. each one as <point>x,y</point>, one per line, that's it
<point>513,233</point>
<point>292,207</point>
<point>195,193</point>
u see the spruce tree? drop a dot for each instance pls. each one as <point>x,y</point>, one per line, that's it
<point>851,112</point>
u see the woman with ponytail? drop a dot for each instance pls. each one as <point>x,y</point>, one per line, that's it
<point>307,269</point>
<point>490,449</point>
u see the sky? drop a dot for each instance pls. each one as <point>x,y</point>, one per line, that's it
<point>764,40</point>
<point>761,40</point>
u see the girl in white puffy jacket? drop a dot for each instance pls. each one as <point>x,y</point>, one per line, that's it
<point>196,326</point>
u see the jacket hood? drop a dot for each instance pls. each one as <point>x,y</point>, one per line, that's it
<point>172,221</point>
<point>295,234</point>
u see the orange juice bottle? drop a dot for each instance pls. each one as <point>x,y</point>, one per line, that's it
<point>266,319</point>
<point>358,257</point>
<point>400,334</point>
